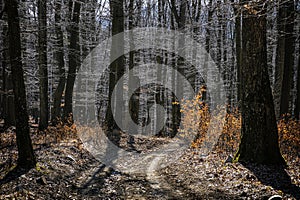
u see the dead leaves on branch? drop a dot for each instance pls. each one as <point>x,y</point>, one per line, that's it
<point>197,116</point>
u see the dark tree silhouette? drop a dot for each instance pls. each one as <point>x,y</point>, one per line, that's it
<point>259,139</point>
<point>26,158</point>
<point>43,71</point>
<point>74,59</point>
<point>59,56</point>
<point>285,56</point>
<point>116,68</point>
<point>297,102</point>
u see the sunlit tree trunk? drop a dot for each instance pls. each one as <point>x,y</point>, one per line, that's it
<point>259,134</point>
<point>26,158</point>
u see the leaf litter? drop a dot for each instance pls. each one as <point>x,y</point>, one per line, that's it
<point>65,170</point>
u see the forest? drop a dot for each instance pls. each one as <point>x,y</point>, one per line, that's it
<point>150,99</point>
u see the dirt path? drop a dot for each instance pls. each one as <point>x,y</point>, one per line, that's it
<point>66,170</point>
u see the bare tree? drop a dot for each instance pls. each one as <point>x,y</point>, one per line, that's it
<point>297,102</point>
<point>116,68</point>
<point>74,59</point>
<point>43,71</point>
<point>7,97</point>
<point>26,158</point>
<point>285,56</point>
<point>59,56</point>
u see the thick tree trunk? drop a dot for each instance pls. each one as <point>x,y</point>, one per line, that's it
<point>73,61</point>
<point>43,71</point>
<point>56,111</point>
<point>259,137</point>
<point>26,158</point>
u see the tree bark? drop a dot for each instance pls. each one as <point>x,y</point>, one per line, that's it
<point>8,109</point>
<point>56,111</point>
<point>73,61</point>
<point>43,71</point>
<point>285,57</point>
<point>289,50</point>
<point>2,67</point>
<point>116,68</point>
<point>238,50</point>
<point>297,102</point>
<point>259,134</point>
<point>133,105</point>
<point>26,158</point>
<point>180,18</point>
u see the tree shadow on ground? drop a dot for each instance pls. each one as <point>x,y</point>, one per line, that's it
<point>276,177</point>
<point>13,174</point>
<point>200,193</point>
<point>138,187</point>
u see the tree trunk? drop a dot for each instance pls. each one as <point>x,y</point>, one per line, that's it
<point>297,102</point>
<point>285,57</point>
<point>8,108</point>
<point>26,158</point>
<point>180,18</point>
<point>289,50</point>
<point>259,136</point>
<point>2,65</point>
<point>207,38</point>
<point>73,61</point>
<point>116,68</point>
<point>209,19</point>
<point>56,111</point>
<point>238,53</point>
<point>43,71</point>
<point>132,80</point>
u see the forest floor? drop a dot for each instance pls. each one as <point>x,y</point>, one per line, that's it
<point>65,170</point>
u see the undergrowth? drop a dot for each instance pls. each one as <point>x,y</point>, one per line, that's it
<point>60,132</point>
<point>198,117</point>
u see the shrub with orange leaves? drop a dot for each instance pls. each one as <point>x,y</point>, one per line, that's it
<point>61,132</point>
<point>197,117</point>
<point>231,133</point>
<point>289,136</point>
